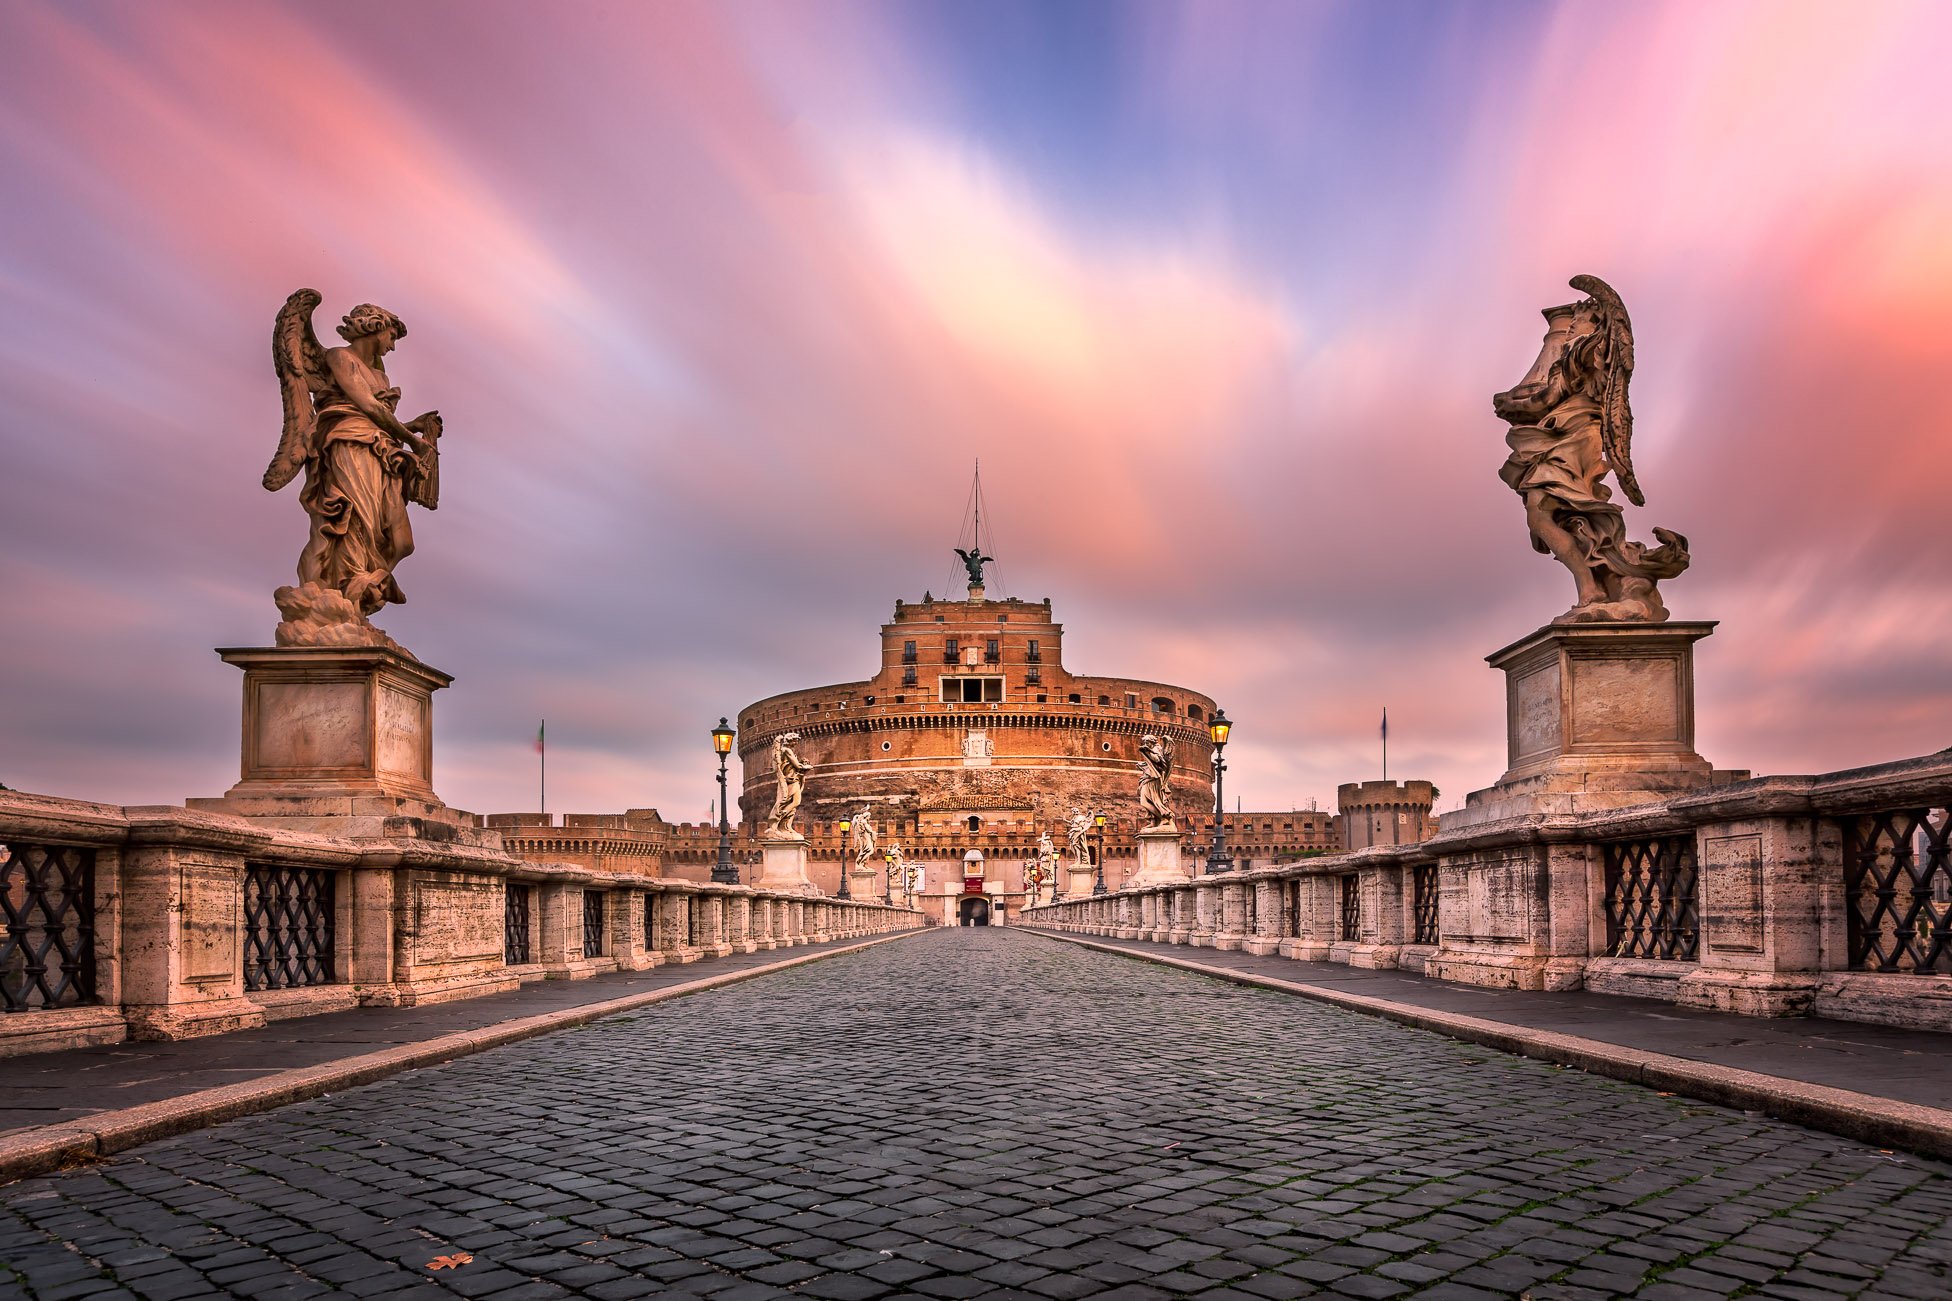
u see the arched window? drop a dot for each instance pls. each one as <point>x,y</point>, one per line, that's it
<point>1193,712</point>
<point>975,823</point>
<point>1162,705</point>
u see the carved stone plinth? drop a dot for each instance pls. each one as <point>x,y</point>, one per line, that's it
<point>1159,860</point>
<point>783,866</point>
<point>340,741</point>
<point>1597,716</point>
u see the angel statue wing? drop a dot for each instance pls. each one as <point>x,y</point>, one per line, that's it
<point>1616,417</point>
<point>300,363</point>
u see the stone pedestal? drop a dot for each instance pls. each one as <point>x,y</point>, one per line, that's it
<point>783,866</point>
<point>1159,860</point>
<point>1597,716</point>
<point>340,741</point>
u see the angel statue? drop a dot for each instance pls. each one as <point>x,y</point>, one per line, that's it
<point>790,772</point>
<point>917,875</point>
<point>1077,828</point>
<point>1156,782</point>
<point>897,869</point>
<point>362,466</point>
<point>1046,851</point>
<point>973,560</point>
<point>1571,425</point>
<point>864,842</point>
<point>1035,873</point>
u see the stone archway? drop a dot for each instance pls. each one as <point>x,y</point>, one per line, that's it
<point>974,911</point>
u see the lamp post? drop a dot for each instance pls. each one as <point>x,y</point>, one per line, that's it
<point>889,859</point>
<point>844,892</point>
<point>1099,823</point>
<point>1217,858</point>
<point>722,871</point>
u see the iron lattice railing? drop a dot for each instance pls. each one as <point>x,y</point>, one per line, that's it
<point>47,902</point>
<point>1423,902</point>
<point>1351,905</point>
<point>288,926</point>
<point>515,926</point>
<point>1651,906</point>
<point>1898,881</point>
<point>592,923</point>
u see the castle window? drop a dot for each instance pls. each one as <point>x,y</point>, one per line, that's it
<point>971,691</point>
<point>886,746</point>
<point>907,678</point>
<point>1161,705</point>
<point>1035,655</point>
<point>1104,700</point>
<point>1076,699</point>
<point>975,823</point>
<point>1131,701</point>
<point>1193,712</point>
<point>992,651</point>
<point>1033,675</point>
<point>908,652</point>
<point>867,700</point>
<point>951,651</point>
<point>1042,699</point>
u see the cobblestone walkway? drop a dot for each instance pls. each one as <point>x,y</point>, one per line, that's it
<point>986,1113</point>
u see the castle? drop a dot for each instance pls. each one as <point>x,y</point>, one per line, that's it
<point>969,741</point>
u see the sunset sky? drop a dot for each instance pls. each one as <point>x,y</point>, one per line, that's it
<point>720,304</point>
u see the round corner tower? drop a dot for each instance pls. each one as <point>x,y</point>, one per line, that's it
<point>1385,812</point>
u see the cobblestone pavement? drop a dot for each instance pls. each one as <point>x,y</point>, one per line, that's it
<point>986,1113</point>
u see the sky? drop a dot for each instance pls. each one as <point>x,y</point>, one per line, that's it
<point>720,304</point>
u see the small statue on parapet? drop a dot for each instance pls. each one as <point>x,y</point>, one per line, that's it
<point>1077,829</point>
<point>1570,425</point>
<point>362,465</point>
<point>1156,783</point>
<point>864,841</point>
<point>790,774</point>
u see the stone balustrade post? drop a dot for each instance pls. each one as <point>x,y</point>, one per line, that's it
<point>712,931</point>
<point>1231,932</point>
<point>182,947</point>
<point>1206,909</point>
<point>739,923</point>
<point>1266,936</point>
<point>675,926</point>
<point>1180,914</point>
<point>624,919</point>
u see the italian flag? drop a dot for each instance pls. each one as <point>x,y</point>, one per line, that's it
<point>538,735</point>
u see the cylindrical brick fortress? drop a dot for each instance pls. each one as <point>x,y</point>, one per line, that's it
<point>973,733</point>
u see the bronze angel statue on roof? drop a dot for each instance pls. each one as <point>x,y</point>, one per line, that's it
<point>362,466</point>
<point>1571,425</point>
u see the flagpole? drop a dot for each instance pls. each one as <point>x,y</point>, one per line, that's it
<point>1385,742</point>
<point>542,761</point>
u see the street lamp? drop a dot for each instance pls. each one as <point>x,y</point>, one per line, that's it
<point>889,859</point>
<point>1217,858</point>
<point>844,892</point>
<point>722,871</point>
<point>1099,823</point>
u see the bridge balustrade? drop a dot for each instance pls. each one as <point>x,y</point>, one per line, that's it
<point>171,923</point>
<point>1827,895</point>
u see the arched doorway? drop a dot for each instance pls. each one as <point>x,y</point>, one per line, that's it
<point>975,911</point>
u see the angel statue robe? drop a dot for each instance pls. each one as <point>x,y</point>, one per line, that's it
<point>358,481</point>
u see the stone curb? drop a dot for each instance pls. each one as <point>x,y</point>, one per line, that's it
<point>1881,1122</point>
<point>51,1147</point>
